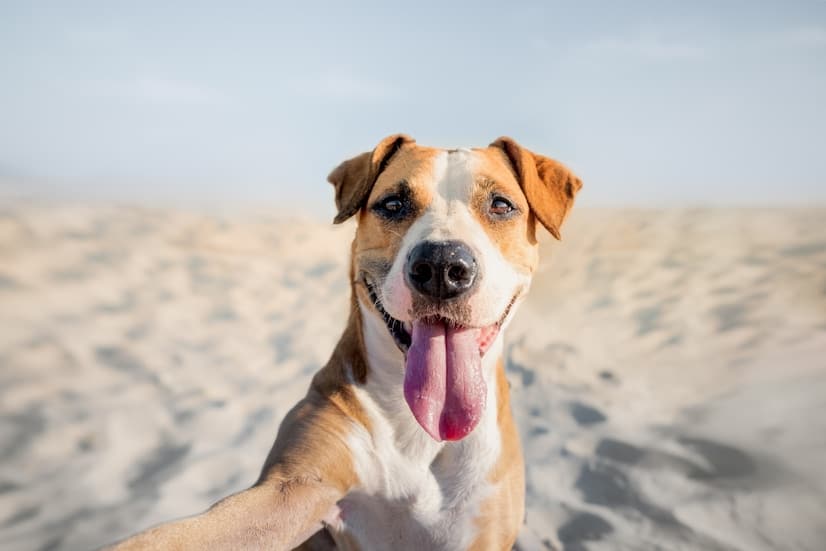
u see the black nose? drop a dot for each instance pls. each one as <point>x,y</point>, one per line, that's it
<point>441,269</point>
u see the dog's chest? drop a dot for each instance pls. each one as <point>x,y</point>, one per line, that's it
<point>415,493</point>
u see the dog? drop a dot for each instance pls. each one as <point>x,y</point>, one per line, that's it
<point>405,439</point>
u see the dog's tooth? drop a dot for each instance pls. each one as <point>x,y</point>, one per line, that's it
<point>408,326</point>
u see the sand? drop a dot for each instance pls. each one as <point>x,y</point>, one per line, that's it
<point>668,371</point>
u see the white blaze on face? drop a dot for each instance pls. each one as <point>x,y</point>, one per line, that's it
<point>449,217</point>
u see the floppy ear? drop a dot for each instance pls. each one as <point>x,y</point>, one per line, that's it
<point>354,178</point>
<point>547,184</point>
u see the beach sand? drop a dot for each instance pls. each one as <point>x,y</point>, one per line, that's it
<point>668,370</point>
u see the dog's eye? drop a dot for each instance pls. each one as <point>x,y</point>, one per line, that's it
<point>392,207</point>
<point>392,204</point>
<point>500,206</point>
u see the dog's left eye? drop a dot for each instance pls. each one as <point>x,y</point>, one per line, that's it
<point>501,206</point>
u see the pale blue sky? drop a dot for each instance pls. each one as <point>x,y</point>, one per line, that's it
<point>651,102</point>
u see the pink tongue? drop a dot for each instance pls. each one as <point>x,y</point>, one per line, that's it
<point>443,382</point>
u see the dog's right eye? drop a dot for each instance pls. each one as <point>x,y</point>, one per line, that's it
<point>392,206</point>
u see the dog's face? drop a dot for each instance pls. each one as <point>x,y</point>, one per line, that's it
<point>445,247</point>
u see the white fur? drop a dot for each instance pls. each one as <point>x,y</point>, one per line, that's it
<point>414,492</point>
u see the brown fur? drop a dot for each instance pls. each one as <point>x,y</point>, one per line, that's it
<point>307,471</point>
<point>503,512</point>
<point>515,238</point>
<point>548,185</point>
<point>354,178</point>
<point>376,239</point>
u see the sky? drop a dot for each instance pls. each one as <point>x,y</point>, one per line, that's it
<point>652,103</point>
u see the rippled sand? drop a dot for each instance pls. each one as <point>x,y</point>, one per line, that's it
<point>668,371</point>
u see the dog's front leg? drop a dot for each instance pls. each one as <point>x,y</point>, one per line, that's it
<point>267,516</point>
<point>308,470</point>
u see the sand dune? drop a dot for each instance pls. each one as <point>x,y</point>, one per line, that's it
<point>668,371</point>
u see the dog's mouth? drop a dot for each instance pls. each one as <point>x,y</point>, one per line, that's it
<point>399,330</point>
<point>443,381</point>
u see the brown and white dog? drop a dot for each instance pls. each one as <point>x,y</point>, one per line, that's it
<point>405,439</point>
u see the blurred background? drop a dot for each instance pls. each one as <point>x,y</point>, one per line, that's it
<point>169,280</point>
<point>654,102</point>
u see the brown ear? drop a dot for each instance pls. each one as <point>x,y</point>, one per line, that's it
<point>547,184</point>
<point>354,178</point>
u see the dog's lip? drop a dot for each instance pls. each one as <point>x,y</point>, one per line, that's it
<point>401,331</point>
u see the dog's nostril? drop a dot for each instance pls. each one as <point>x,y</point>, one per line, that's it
<point>421,272</point>
<point>456,273</point>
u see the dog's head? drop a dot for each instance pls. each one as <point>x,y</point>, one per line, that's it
<point>445,247</point>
